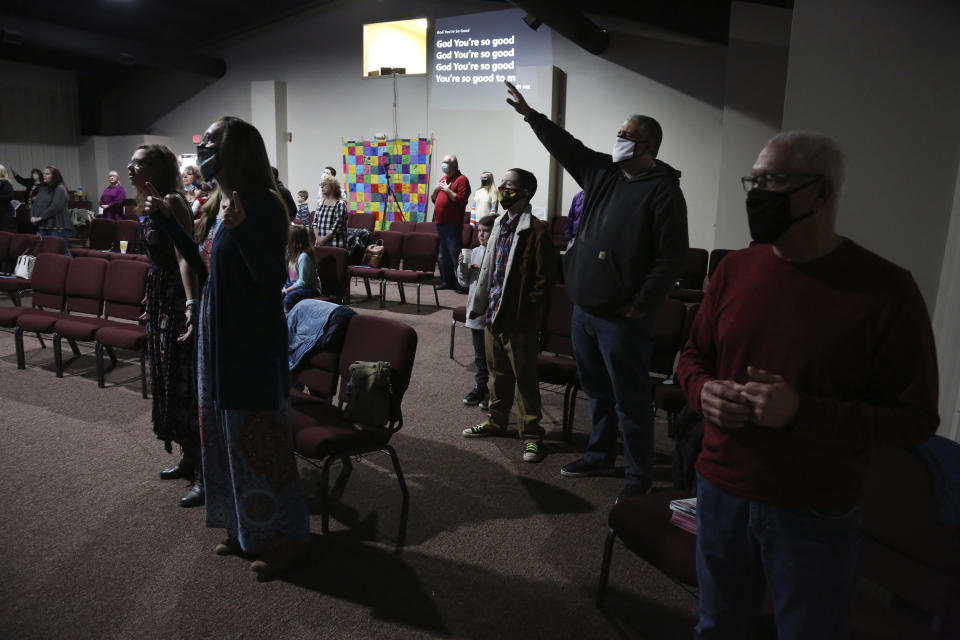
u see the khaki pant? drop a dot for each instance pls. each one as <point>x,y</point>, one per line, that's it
<point>512,362</point>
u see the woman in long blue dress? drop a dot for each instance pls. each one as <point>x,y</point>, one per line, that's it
<point>250,474</point>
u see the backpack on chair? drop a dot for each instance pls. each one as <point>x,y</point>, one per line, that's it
<point>370,393</point>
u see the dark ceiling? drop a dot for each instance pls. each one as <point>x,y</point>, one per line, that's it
<point>107,42</point>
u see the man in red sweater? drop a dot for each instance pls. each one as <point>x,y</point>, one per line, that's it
<point>807,350</point>
<point>449,199</point>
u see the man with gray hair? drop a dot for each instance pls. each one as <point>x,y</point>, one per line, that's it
<point>111,201</point>
<point>807,350</point>
<point>628,251</point>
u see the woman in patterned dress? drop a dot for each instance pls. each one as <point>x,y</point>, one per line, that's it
<point>251,479</point>
<point>171,296</point>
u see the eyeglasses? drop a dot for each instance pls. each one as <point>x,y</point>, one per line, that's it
<point>772,180</point>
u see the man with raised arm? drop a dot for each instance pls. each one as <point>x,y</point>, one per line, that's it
<point>627,253</point>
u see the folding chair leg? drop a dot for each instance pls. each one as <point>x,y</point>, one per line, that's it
<point>366,285</point>
<point>453,329</point>
<point>143,374</point>
<point>74,348</point>
<point>436,298</point>
<point>324,498</point>
<point>418,297</point>
<point>98,352</point>
<point>605,568</point>
<point>58,354</point>
<point>18,342</point>
<point>43,345</point>
<point>383,294</point>
<point>567,426</point>
<point>403,296</point>
<point>405,509</point>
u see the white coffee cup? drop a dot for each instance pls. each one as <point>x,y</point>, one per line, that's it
<point>466,255</point>
<point>123,246</point>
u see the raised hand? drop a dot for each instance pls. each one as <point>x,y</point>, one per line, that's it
<point>774,403</point>
<point>233,213</point>
<point>516,100</point>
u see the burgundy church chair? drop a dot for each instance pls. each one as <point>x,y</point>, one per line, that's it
<point>124,287</point>
<point>327,434</point>
<point>419,263</point>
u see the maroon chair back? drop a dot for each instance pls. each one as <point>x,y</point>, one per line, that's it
<point>52,244</point>
<point>50,280</point>
<point>130,211</point>
<point>372,339</point>
<point>129,230</point>
<point>392,247</point>
<point>420,251</point>
<point>362,221</point>
<point>332,269</point>
<point>84,290</point>
<point>124,286</point>
<point>426,227</point>
<point>694,270</point>
<point>103,234</point>
<point>668,336</point>
<point>20,243</point>
<point>715,257</point>
<point>555,336</point>
<point>403,226</point>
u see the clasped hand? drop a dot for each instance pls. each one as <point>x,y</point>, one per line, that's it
<point>766,400</point>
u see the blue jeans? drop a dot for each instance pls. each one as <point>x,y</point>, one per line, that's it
<point>59,233</point>
<point>613,362</point>
<point>807,558</point>
<point>451,239</point>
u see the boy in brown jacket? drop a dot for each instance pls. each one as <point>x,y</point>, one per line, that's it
<point>515,276</point>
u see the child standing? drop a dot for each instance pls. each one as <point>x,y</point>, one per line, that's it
<point>303,281</point>
<point>303,209</point>
<point>467,272</point>
<point>511,294</point>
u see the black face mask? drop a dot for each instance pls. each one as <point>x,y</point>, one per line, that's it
<point>208,161</point>
<point>768,213</point>
<point>483,181</point>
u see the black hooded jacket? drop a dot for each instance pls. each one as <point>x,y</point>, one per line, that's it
<point>632,237</point>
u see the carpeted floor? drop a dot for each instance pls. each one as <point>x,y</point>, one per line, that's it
<point>94,545</point>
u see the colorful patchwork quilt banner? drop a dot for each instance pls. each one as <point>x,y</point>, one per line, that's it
<point>377,173</point>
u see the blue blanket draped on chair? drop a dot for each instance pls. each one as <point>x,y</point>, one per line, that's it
<point>315,323</point>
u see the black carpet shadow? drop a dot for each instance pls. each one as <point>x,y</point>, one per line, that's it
<point>438,475</point>
<point>414,589</point>
<point>369,576</point>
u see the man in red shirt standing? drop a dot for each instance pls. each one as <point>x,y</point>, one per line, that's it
<point>807,350</point>
<point>449,199</point>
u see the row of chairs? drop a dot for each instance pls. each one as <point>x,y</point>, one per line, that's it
<point>105,235</point>
<point>323,430</point>
<point>13,245</point>
<point>407,258</point>
<point>83,300</point>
